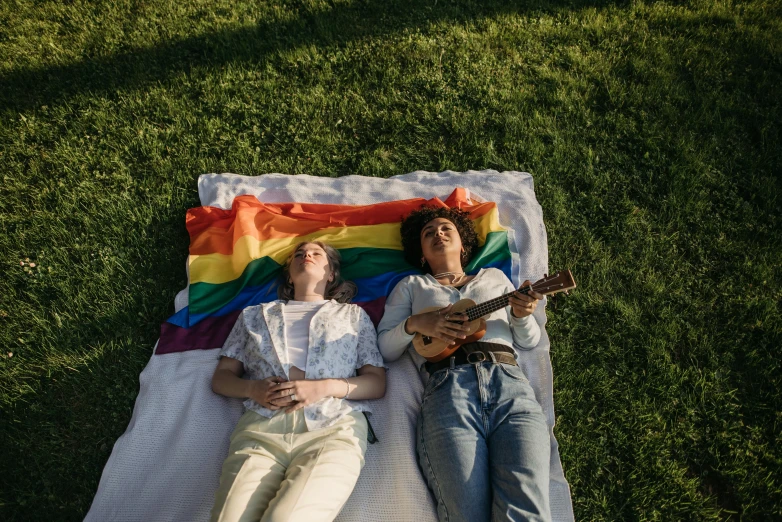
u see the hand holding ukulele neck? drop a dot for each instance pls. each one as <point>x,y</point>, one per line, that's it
<point>437,337</point>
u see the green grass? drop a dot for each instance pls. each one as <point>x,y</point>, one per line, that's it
<point>652,130</point>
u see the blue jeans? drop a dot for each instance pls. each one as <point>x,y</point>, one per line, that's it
<point>483,444</point>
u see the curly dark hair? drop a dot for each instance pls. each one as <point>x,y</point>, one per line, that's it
<point>414,223</point>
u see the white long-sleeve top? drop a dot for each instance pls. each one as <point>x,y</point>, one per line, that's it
<point>414,293</point>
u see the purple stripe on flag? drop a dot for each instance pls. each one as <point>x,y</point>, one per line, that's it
<point>209,333</point>
<point>213,331</point>
<point>374,309</point>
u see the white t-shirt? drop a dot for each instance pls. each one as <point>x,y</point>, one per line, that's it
<point>298,316</point>
<point>342,340</point>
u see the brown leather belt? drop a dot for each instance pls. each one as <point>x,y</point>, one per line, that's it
<point>474,353</point>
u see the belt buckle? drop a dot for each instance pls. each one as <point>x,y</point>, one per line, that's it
<point>474,361</point>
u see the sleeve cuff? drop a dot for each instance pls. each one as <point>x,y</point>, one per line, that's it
<point>402,335</point>
<point>521,321</point>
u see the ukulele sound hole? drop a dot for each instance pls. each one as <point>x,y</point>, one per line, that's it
<point>427,339</point>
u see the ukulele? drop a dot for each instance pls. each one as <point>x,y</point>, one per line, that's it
<point>434,349</point>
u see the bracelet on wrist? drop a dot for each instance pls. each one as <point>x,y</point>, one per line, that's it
<point>347,386</point>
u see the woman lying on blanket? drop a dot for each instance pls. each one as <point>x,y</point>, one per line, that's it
<point>296,453</point>
<point>483,442</point>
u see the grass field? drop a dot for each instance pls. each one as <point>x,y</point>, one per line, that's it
<point>652,130</point>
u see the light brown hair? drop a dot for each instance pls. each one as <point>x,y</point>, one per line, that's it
<point>337,289</point>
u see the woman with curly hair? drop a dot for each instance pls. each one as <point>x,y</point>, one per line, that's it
<point>482,438</point>
<point>297,451</point>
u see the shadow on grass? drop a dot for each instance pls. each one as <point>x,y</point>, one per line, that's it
<point>25,89</point>
<point>70,417</point>
<point>53,459</point>
<point>58,436</point>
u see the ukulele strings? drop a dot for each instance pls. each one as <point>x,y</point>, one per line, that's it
<point>479,310</point>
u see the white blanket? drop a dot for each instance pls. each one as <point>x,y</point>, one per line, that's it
<point>166,465</point>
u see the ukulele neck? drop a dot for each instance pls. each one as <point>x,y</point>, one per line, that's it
<point>488,307</point>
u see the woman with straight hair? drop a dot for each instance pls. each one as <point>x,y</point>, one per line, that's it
<point>304,365</point>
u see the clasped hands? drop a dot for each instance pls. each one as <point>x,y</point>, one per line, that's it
<point>276,393</point>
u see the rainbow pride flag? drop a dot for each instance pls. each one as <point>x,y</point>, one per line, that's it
<point>236,256</point>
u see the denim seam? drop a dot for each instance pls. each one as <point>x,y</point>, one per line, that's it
<point>437,385</point>
<point>431,471</point>
<point>482,396</point>
<point>506,372</point>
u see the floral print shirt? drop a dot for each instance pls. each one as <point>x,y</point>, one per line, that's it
<point>342,339</point>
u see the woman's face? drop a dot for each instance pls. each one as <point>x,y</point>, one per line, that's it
<point>310,263</point>
<point>439,238</point>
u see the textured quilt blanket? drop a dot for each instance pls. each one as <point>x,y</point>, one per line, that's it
<point>166,466</point>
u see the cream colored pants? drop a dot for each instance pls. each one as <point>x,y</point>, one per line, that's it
<point>277,471</point>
